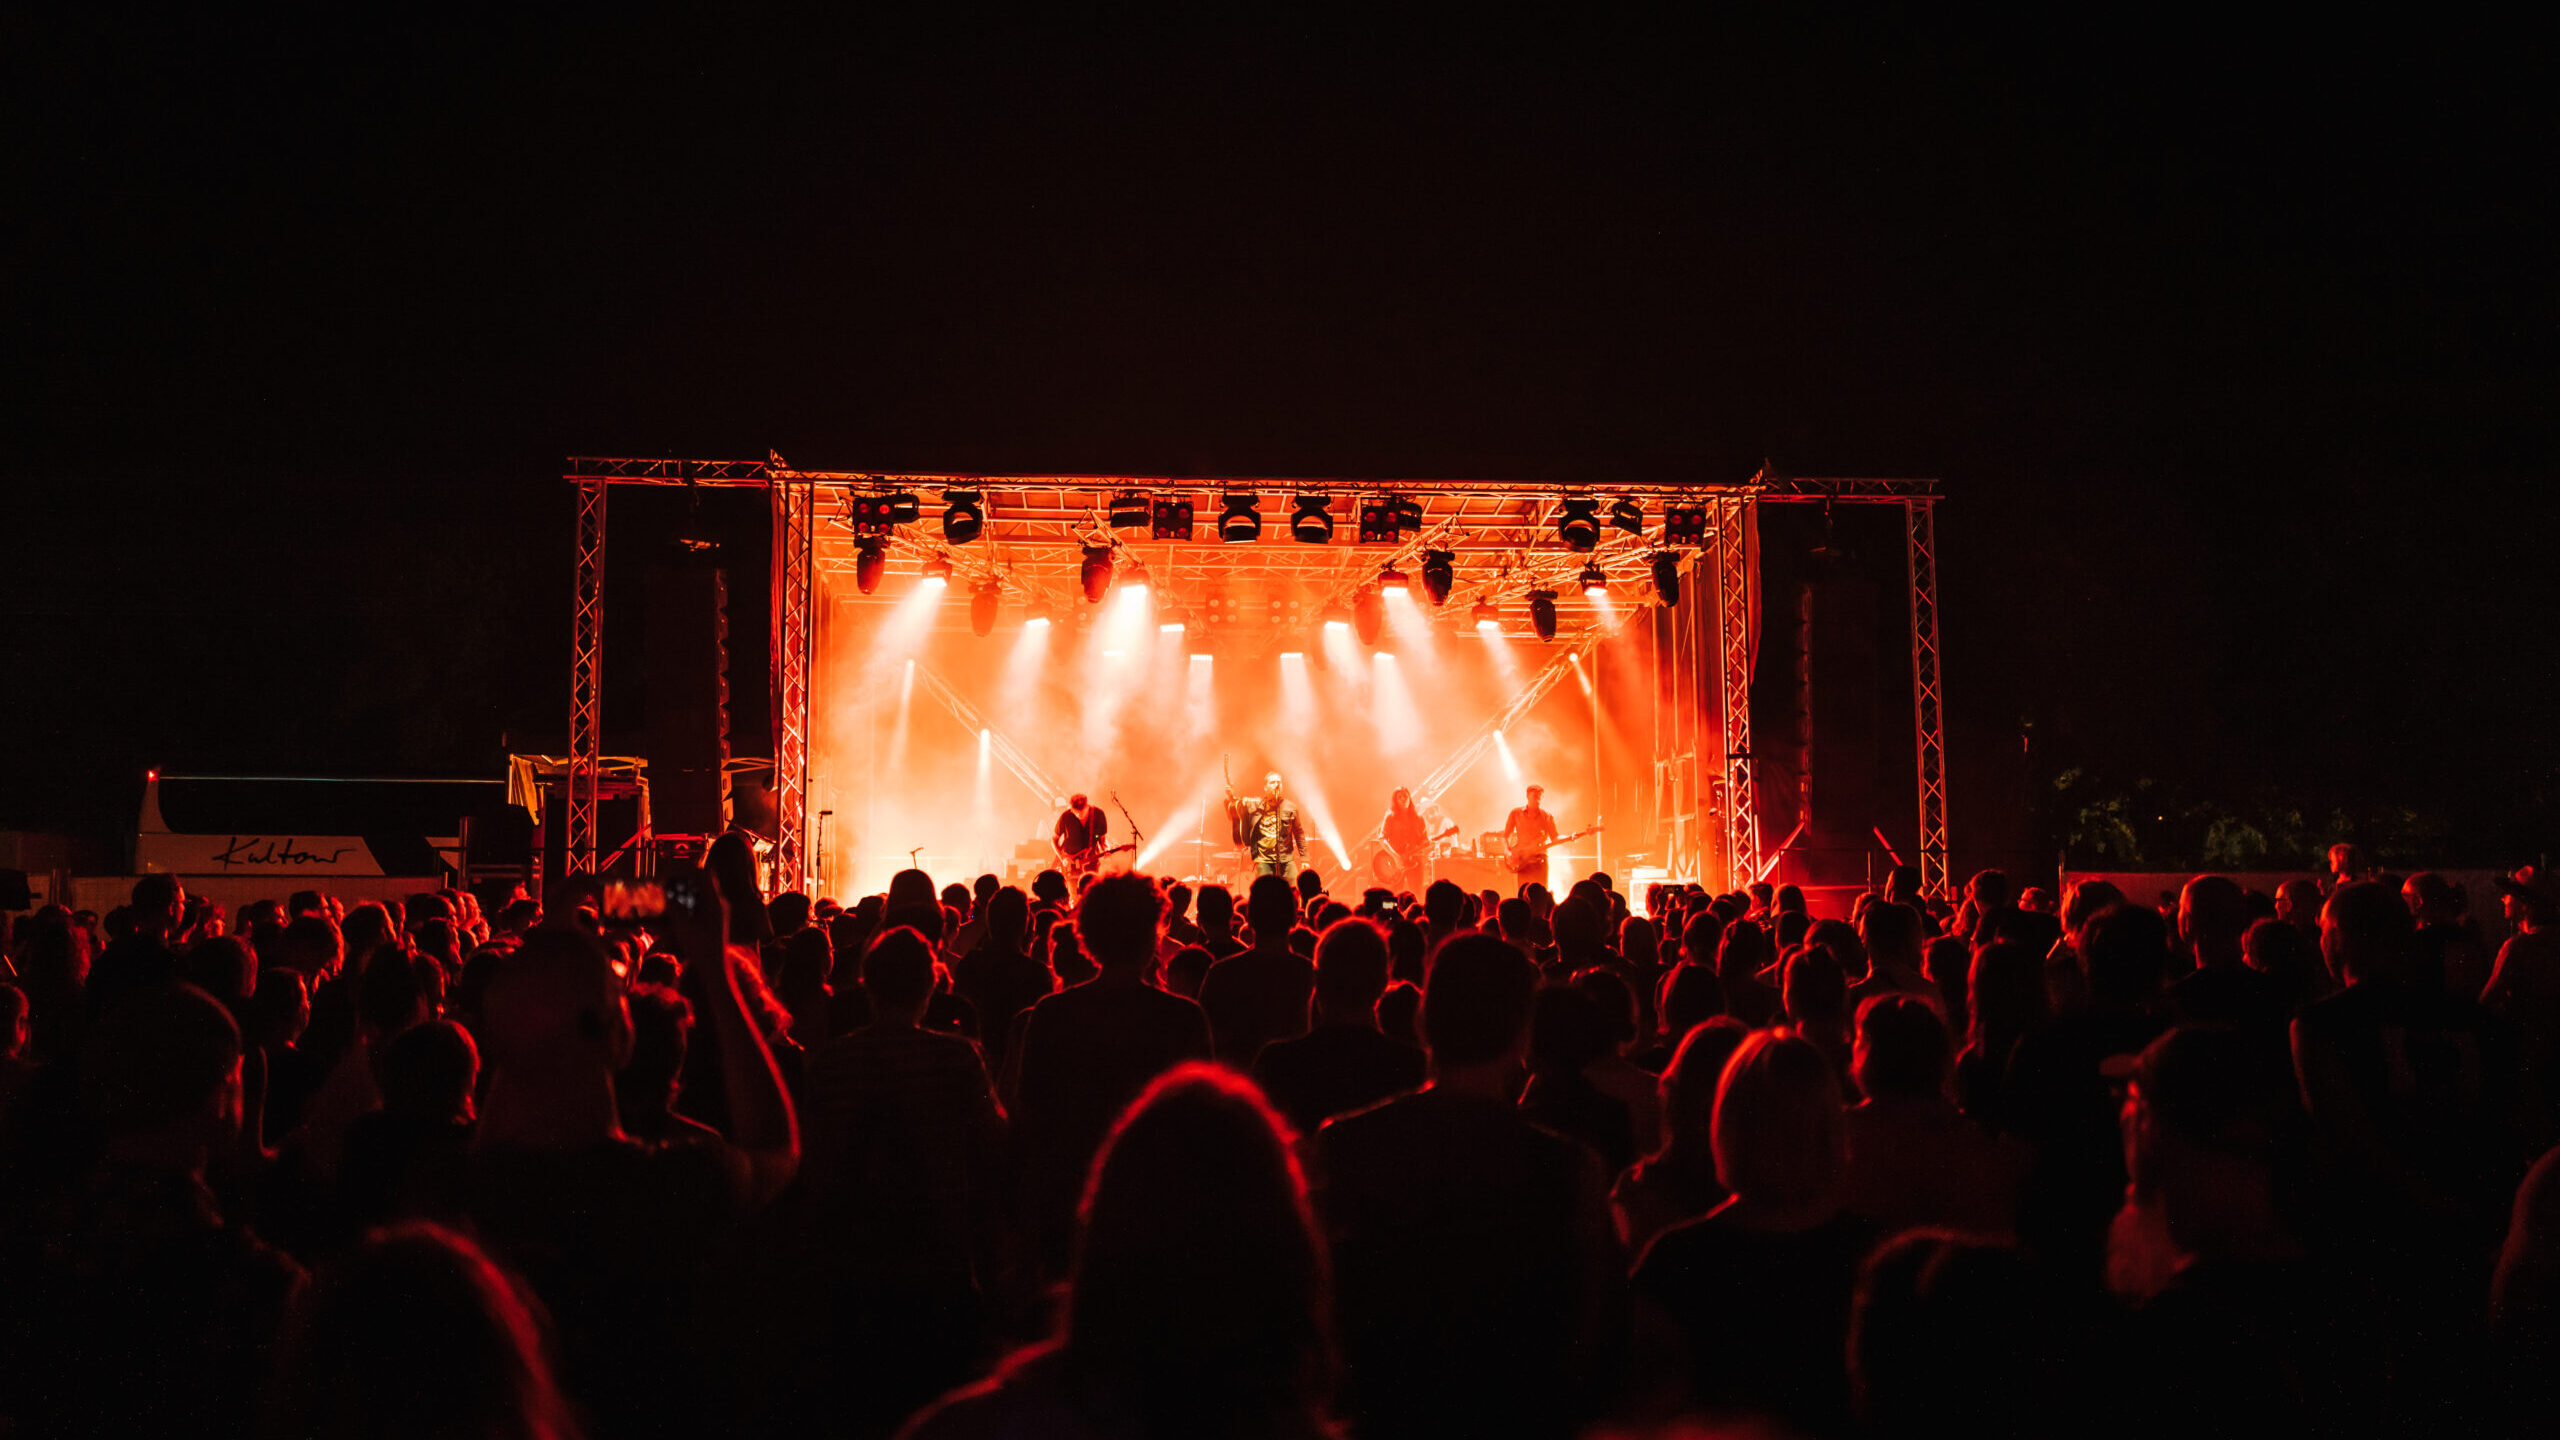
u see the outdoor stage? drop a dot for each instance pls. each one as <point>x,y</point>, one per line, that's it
<point>952,654</point>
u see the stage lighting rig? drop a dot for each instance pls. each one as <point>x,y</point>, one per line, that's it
<point>1439,572</point>
<point>1174,518</point>
<point>1391,578</point>
<point>873,515</point>
<point>1130,510</point>
<point>1666,577</point>
<point>982,608</point>
<point>1684,524</point>
<point>966,520</point>
<point>1097,572</point>
<point>1378,523</point>
<point>1579,524</point>
<point>1311,520</point>
<point>1368,616</point>
<point>1240,518</point>
<point>1595,581</point>
<point>1542,613</point>
<point>937,571</point>
<point>1627,515</point>
<point>869,564</point>
<point>1488,618</point>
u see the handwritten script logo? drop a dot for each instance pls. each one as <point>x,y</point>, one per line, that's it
<point>257,850</point>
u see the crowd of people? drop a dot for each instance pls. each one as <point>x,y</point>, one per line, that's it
<point>1150,1160</point>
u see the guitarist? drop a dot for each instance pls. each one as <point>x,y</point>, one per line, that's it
<point>1527,834</point>
<point>1078,838</point>
<point>1407,835</point>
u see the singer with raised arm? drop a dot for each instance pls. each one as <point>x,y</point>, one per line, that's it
<point>1267,828</point>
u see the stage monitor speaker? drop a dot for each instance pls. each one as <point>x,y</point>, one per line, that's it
<point>1838,728</point>
<point>688,700</point>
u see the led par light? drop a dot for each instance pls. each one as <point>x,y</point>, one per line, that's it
<point>1595,581</point>
<point>1174,519</point>
<point>1684,524</point>
<point>873,515</point>
<point>1131,510</point>
<point>1627,515</point>
<point>1392,578</point>
<point>1378,523</point>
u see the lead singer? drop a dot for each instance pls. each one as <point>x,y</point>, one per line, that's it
<point>1267,828</point>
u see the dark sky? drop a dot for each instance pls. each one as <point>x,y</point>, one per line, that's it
<point>2234,346</point>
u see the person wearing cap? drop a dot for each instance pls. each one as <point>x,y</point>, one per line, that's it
<point>1528,833</point>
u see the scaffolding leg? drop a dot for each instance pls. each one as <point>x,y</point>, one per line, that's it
<point>586,682</point>
<point>1928,715</point>
<point>794,517</point>
<point>1733,622</point>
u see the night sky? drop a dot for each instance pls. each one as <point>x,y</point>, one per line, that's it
<point>2233,346</point>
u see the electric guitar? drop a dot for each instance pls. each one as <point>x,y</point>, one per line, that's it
<point>1526,856</point>
<point>1396,869</point>
<point>1082,862</point>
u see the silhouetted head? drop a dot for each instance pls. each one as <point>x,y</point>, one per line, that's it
<point>1271,907</point>
<point>1901,1050</point>
<point>1476,1010</point>
<point>1199,1300</point>
<point>1777,1124</point>
<point>1121,920</point>
<point>1351,969</point>
<point>414,1334</point>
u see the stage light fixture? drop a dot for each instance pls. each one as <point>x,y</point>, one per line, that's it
<point>1627,515</point>
<point>966,520</point>
<point>1392,578</point>
<point>1408,512</point>
<point>869,565</point>
<point>1595,581</point>
<point>1037,618</point>
<point>1684,524</point>
<point>1174,518</point>
<point>1368,615</point>
<point>1579,524</point>
<point>1378,523</point>
<point>904,507</point>
<point>1336,618</point>
<point>1097,572</point>
<point>982,609</point>
<point>937,571</point>
<point>1439,572</point>
<point>1311,520</point>
<point>1666,577</point>
<point>872,516</point>
<point>1175,622</point>
<point>1131,510</point>
<point>1542,613</point>
<point>1240,518</point>
<point>1488,618</point>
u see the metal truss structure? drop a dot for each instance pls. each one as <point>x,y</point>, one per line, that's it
<point>586,681</point>
<point>1500,538</point>
<point>794,644</point>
